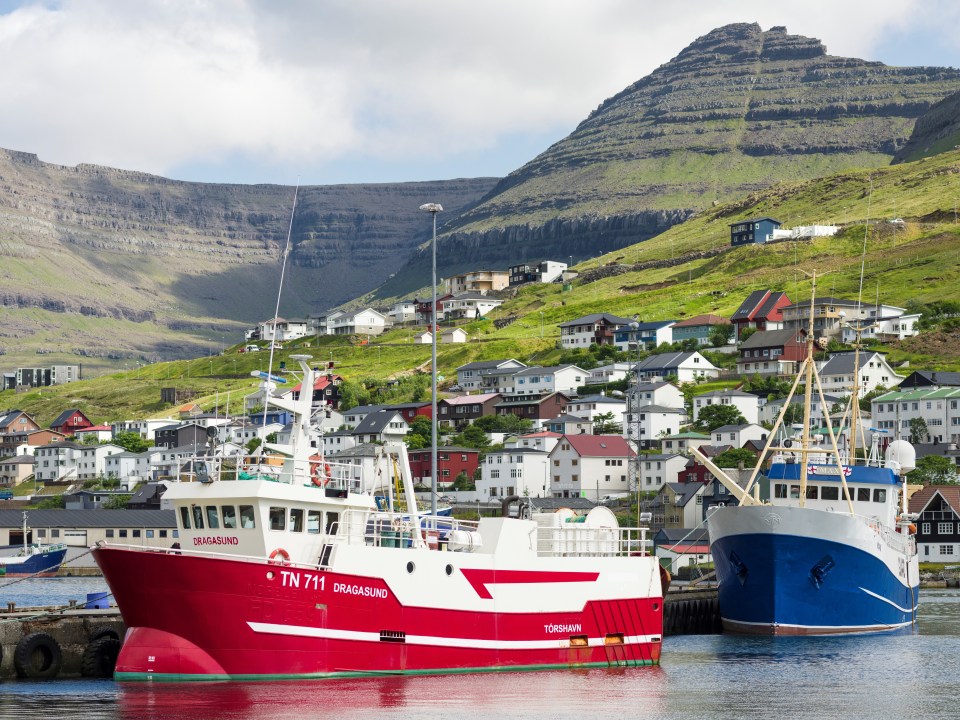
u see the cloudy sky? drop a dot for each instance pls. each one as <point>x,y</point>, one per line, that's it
<point>346,91</point>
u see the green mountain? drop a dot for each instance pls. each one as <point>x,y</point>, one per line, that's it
<point>936,131</point>
<point>686,271</point>
<point>738,110</point>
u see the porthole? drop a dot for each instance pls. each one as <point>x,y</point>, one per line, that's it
<point>270,575</point>
<point>411,567</point>
<point>656,606</point>
<point>449,569</point>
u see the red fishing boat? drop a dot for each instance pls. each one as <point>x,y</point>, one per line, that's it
<point>313,570</point>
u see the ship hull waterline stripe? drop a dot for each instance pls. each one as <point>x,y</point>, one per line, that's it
<point>890,602</point>
<point>765,628</point>
<point>472,643</point>
<point>339,674</point>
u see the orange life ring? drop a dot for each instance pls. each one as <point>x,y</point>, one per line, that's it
<point>279,557</point>
<point>316,477</point>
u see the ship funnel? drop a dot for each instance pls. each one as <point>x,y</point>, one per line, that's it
<point>902,453</point>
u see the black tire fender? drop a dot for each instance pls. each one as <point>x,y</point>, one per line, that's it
<point>100,657</point>
<point>37,656</point>
<point>103,631</point>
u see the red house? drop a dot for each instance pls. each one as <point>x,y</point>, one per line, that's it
<point>412,409</point>
<point>69,421</point>
<point>326,389</point>
<point>451,461</point>
<point>533,407</point>
<point>762,310</point>
<point>424,311</point>
<point>773,352</point>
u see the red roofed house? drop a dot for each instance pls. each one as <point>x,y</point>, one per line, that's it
<point>99,433</point>
<point>590,466</point>
<point>762,310</point>
<point>69,421</point>
<point>326,389</point>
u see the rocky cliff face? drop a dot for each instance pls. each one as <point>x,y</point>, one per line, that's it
<point>738,110</point>
<point>936,131</point>
<point>136,248</point>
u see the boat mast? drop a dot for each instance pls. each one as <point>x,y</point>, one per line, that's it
<point>807,396</point>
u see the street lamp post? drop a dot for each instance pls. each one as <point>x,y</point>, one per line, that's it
<point>433,209</point>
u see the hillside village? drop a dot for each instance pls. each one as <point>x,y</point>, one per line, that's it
<point>615,422</point>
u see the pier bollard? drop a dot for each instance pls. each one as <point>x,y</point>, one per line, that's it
<point>11,606</point>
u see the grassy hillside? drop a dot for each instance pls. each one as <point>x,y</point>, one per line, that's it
<point>916,263</point>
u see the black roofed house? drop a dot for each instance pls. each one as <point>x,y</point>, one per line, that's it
<point>930,379</point>
<point>762,310</point>
<point>353,416</point>
<point>569,425</point>
<point>938,524</point>
<point>458,412</point>
<point>178,434</point>
<point>381,427</point>
<point>772,352</point>
<point>753,231</point>
<point>684,366</point>
<point>13,421</point>
<point>79,529</point>
<point>69,421</point>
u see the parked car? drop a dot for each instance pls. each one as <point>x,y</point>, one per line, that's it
<point>6,494</point>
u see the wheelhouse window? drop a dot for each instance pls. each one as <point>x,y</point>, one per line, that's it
<point>185,518</point>
<point>213,520</point>
<point>795,492</point>
<point>829,492</point>
<point>779,489</point>
<point>197,516</point>
<point>278,518</point>
<point>812,492</point>
<point>248,519</point>
<point>229,515</point>
<point>880,495</point>
<point>333,523</point>
<point>296,520</point>
<point>863,494</point>
<point>314,518</point>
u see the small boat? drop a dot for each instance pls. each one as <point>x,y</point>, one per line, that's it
<point>301,574</point>
<point>832,550</point>
<point>33,560</point>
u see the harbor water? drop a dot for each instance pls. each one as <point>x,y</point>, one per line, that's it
<point>702,677</point>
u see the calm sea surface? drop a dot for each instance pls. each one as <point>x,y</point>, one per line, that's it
<point>703,677</point>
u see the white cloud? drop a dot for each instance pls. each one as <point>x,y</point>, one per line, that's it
<point>156,86</point>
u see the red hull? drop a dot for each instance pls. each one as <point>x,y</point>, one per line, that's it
<point>203,618</point>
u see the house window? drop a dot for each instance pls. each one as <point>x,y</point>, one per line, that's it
<point>944,528</point>
<point>925,528</point>
<point>946,549</point>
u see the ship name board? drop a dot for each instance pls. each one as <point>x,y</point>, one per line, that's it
<point>562,628</point>
<point>216,540</point>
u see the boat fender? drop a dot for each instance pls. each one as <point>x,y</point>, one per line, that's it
<point>279,557</point>
<point>100,657</point>
<point>103,631</point>
<point>37,656</point>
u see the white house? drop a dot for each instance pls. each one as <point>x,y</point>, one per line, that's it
<point>544,440</point>
<point>403,311</point>
<point>682,442</point>
<point>739,435</point>
<point>659,393</point>
<point>837,374</point>
<point>593,405</point>
<point>127,466</point>
<point>598,328</point>
<point>469,306</point>
<point>453,335</point>
<point>747,403</point>
<point>609,373</point>
<point>546,380</point>
<point>771,409</point>
<point>884,328</point>
<point>381,427</point>
<point>655,470</point>
<point>590,466</point>
<point>569,425</point>
<point>424,338</point>
<point>144,428</point>
<point>514,471</point>
<point>91,463</point>
<point>57,461</point>
<point>96,433</point>
<point>684,366</point>
<point>361,322</point>
<point>646,426</point>
<point>469,376</point>
<point>286,329</point>
<point>938,407</point>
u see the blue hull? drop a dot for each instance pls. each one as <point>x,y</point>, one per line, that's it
<point>790,585</point>
<point>44,563</point>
